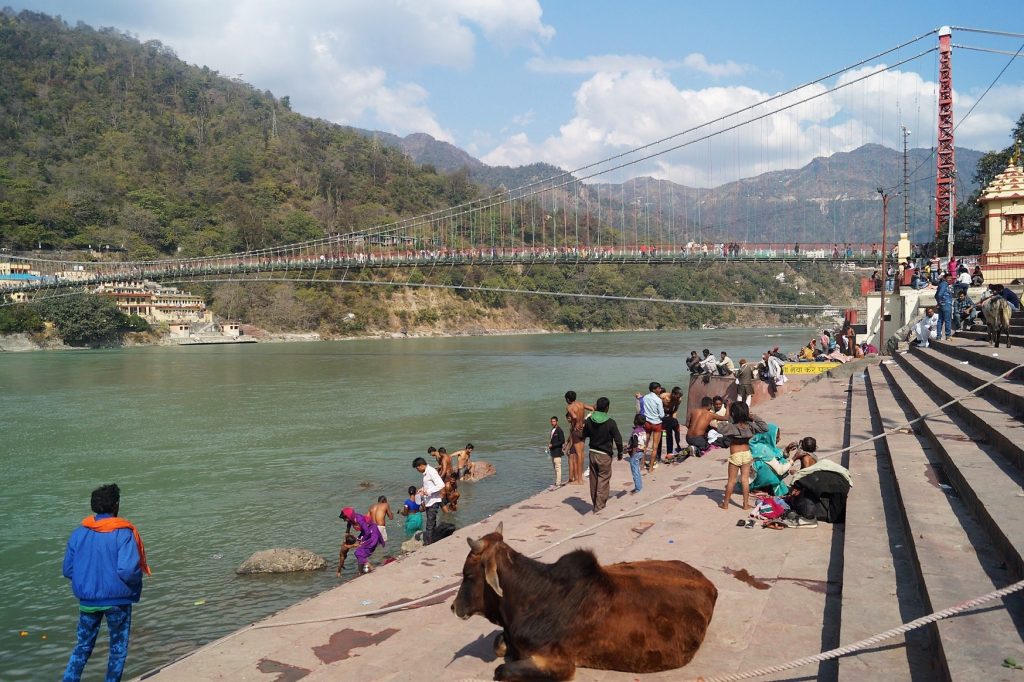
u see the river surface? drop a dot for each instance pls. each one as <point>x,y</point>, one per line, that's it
<point>221,451</point>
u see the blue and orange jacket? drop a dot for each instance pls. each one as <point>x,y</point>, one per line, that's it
<point>105,568</point>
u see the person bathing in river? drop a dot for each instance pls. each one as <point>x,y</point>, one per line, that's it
<point>380,513</point>
<point>462,467</point>
<point>412,510</point>
<point>447,473</point>
<point>738,433</point>
<point>369,536</point>
<point>348,544</point>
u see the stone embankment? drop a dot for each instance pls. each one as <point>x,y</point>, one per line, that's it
<point>21,343</point>
<point>934,518</point>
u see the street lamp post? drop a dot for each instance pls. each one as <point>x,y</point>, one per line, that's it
<point>885,275</point>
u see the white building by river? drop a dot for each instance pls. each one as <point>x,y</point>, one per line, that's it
<point>156,303</point>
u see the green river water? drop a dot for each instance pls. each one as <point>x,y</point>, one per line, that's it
<point>221,451</point>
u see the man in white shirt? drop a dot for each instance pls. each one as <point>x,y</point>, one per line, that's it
<point>927,327</point>
<point>431,491</point>
<point>653,409</point>
<point>708,363</point>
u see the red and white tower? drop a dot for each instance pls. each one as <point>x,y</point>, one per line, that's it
<point>945,177</point>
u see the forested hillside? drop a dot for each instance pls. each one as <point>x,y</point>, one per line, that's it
<point>108,141</point>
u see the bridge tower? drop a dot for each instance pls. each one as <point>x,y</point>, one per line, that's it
<point>945,177</point>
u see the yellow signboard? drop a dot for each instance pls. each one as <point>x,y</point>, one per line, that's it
<point>808,367</point>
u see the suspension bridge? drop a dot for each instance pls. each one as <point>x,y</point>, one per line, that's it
<point>584,217</point>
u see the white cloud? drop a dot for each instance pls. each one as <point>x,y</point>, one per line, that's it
<point>336,58</point>
<point>699,62</point>
<point>609,63</point>
<point>990,124</point>
<point>618,63</point>
<point>617,111</point>
<point>525,118</point>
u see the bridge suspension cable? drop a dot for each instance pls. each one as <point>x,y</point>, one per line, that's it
<point>535,216</point>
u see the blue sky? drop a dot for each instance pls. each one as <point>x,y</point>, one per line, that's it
<point>573,82</point>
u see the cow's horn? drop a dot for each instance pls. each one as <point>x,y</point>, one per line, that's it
<point>500,528</point>
<point>476,546</point>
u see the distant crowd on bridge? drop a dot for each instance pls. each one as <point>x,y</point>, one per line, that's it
<point>328,254</point>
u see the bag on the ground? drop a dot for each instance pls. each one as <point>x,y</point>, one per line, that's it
<point>822,496</point>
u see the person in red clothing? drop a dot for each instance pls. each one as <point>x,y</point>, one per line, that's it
<point>105,561</point>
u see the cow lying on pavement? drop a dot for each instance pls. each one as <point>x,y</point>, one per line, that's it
<point>643,616</point>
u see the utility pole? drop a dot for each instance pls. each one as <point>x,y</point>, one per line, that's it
<point>885,276</point>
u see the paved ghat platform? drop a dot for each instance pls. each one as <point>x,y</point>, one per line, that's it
<point>775,587</point>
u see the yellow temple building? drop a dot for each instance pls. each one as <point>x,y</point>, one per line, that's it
<point>1003,243</point>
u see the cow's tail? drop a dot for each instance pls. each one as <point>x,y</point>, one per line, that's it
<point>1004,316</point>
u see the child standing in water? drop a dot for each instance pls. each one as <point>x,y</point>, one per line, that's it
<point>637,445</point>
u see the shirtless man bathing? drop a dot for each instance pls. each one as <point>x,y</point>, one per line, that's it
<point>463,466</point>
<point>576,414</point>
<point>380,513</point>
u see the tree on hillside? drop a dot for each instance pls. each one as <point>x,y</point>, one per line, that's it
<point>86,319</point>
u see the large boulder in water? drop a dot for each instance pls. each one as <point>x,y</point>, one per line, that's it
<point>478,470</point>
<point>282,560</point>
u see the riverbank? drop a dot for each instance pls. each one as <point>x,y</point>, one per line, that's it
<point>767,579</point>
<point>23,343</point>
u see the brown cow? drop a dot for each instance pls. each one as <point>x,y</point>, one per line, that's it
<point>643,616</point>
<point>997,318</point>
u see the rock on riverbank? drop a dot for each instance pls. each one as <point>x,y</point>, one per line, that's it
<point>282,560</point>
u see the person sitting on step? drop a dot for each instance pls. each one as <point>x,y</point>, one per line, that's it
<point>927,327</point>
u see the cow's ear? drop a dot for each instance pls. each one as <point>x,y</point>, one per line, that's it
<point>500,528</point>
<point>491,575</point>
<point>475,546</point>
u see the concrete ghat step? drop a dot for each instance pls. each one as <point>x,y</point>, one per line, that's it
<point>969,374</point>
<point>1016,338</point>
<point>994,413</point>
<point>981,354</point>
<point>877,566</point>
<point>955,561</point>
<point>972,459</point>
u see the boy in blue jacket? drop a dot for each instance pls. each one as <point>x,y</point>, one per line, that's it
<point>105,561</point>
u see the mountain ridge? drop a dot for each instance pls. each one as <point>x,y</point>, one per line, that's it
<point>842,186</point>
